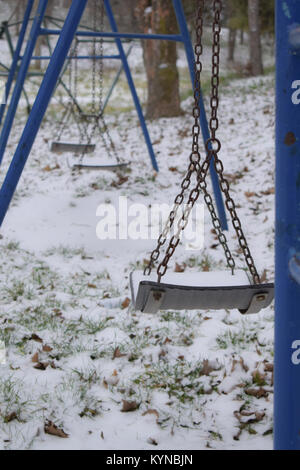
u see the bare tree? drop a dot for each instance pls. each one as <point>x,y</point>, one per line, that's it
<point>256,65</point>
<point>160,58</point>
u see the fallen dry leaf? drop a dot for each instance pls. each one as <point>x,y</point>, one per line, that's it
<point>235,362</point>
<point>269,367</point>
<point>51,428</point>
<point>35,337</point>
<point>180,268</point>
<point>117,353</point>
<point>47,348</point>
<point>256,392</point>
<point>51,168</point>
<point>152,441</point>
<point>249,194</point>
<point>10,417</point>
<point>125,303</point>
<point>35,357</point>
<point>129,406</point>
<point>41,365</point>
<point>151,412</point>
<point>268,191</point>
<point>206,368</point>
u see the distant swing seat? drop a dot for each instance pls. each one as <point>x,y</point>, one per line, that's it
<point>201,291</point>
<point>61,147</point>
<point>90,164</point>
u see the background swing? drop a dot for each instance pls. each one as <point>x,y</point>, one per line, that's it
<point>224,290</point>
<point>90,124</point>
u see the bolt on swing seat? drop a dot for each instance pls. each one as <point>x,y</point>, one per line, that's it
<point>199,291</point>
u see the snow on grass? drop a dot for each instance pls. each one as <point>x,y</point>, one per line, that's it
<point>77,355</point>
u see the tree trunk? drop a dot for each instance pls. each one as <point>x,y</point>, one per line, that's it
<point>256,66</point>
<point>242,37</point>
<point>160,57</point>
<point>231,44</point>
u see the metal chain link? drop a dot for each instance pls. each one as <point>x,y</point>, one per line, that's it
<point>99,121</point>
<point>195,155</point>
<point>213,146</point>
<point>194,166</point>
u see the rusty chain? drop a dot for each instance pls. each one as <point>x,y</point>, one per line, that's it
<point>194,166</point>
<point>98,22</point>
<point>213,146</point>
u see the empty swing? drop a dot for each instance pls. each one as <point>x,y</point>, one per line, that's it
<point>91,124</point>
<point>231,289</point>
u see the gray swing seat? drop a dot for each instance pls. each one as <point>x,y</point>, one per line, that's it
<point>61,147</point>
<point>90,164</point>
<point>89,117</point>
<point>201,291</point>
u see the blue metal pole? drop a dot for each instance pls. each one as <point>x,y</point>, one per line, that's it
<point>40,105</point>
<point>8,122</point>
<point>203,120</point>
<point>79,57</point>
<point>16,56</point>
<point>116,35</point>
<point>135,97</point>
<point>287,244</point>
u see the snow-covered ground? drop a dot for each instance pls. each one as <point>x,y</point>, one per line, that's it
<point>77,355</point>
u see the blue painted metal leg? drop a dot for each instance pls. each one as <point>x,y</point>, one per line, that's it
<point>16,56</point>
<point>287,246</point>
<point>203,120</point>
<point>40,105</point>
<point>135,97</point>
<point>8,122</point>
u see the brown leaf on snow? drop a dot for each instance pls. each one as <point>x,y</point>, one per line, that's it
<point>151,412</point>
<point>51,168</point>
<point>152,441</point>
<point>257,392</point>
<point>167,340</point>
<point>10,417</point>
<point>263,277</point>
<point>206,368</point>
<point>35,357</point>
<point>129,406</point>
<point>51,428</point>
<point>268,191</point>
<point>162,353</point>
<point>180,268</point>
<point>258,378</point>
<point>125,303</point>
<point>117,353</point>
<point>235,362</point>
<point>47,348</point>
<point>92,286</point>
<point>41,365</point>
<point>249,194</point>
<point>268,367</point>
<point>35,337</point>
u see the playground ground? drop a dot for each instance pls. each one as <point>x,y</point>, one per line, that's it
<point>77,355</point>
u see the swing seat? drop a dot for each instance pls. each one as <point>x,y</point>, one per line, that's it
<point>90,164</point>
<point>61,147</point>
<point>89,117</point>
<point>201,290</point>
